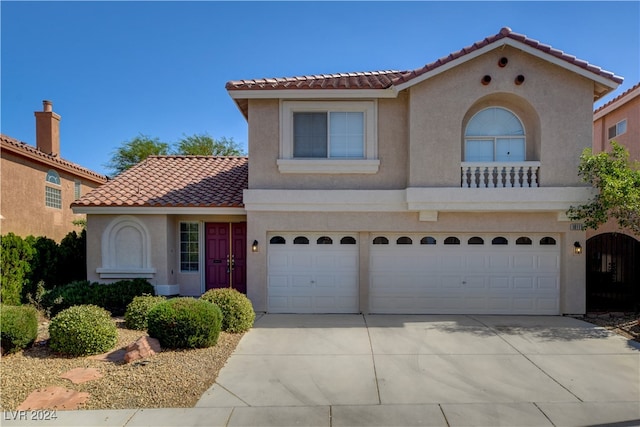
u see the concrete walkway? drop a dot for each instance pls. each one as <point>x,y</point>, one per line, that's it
<point>379,370</point>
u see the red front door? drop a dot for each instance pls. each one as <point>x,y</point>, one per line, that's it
<point>225,255</point>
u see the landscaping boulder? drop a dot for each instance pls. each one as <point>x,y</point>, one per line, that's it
<point>143,348</point>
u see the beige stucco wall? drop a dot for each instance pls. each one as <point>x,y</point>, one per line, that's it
<point>572,280</point>
<point>22,199</point>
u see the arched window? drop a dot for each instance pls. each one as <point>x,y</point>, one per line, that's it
<point>380,241</point>
<point>277,240</point>
<point>494,135</point>
<point>53,190</point>
<point>547,241</point>
<point>523,241</point>
<point>428,241</point>
<point>499,241</point>
<point>451,241</point>
<point>300,240</point>
<point>324,240</point>
<point>404,240</point>
<point>347,240</point>
<point>475,241</point>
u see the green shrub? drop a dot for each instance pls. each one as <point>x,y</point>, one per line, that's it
<point>136,315</point>
<point>82,330</point>
<point>114,297</point>
<point>44,265</point>
<point>18,327</point>
<point>185,323</point>
<point>237,312</point>
<point>15,258</point>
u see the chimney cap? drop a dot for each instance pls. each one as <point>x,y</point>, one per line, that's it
<point>47,105</point>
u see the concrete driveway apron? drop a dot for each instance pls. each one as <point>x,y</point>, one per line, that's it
<point>428,370</point>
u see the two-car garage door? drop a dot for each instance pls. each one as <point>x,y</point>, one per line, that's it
<point>415,273</point>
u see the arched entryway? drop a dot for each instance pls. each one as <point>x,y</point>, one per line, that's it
<point>613,273</point>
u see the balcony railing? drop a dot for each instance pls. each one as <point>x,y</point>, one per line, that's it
<point>499,174</point>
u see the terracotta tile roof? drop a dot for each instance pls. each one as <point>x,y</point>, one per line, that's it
<point>618,98</point>
<point>386,79</point>
<point>29,151</point>
<point>175,181</point>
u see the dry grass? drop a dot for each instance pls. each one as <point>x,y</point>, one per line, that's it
<point>171,378</point>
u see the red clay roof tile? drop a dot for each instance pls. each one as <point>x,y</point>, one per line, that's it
<point>175,181</point>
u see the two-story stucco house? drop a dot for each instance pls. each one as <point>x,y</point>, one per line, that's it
<point>436,190</point>
<point>38,186</point>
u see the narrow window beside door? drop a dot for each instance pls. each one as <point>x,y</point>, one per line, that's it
<point>189,247</point>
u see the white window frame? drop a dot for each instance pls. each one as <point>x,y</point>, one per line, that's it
<point>617,127</point>
<point>180,252</point>
<point>368,164</point>
<point>494,138</point>
<point>53,190</point>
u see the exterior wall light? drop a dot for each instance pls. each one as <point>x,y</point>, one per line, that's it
<point>577,249</point>
<point>254,246</point>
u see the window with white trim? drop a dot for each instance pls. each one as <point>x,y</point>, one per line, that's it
<point>77,189</point>
<point>328,137</point>
<point>53,190</point>
<point>494,135</point>
<point>189,247</point>
<point>618,129</point>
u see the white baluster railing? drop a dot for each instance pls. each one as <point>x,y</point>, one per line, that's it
<point>499,174</point>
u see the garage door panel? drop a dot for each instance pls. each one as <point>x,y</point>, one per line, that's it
<point>465,279</point>
<point>312,278</point>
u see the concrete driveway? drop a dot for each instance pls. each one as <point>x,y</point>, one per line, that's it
<point>395,370</point>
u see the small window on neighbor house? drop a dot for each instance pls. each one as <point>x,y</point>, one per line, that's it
<point>380,241</point>
<point>404,240</point>
<point>277,240</point>
<point>499,241</point>
<point>77,189</point>
<point>475,241</point>
<point>189,246</point>
<point>523,241</point>
<point>428,241</point>
<point>618,129</point>
<point>300,240</point>
<point>347,240</point>
<point>325,240</point>
<point>547,241</point>
<point>451,241</point>
<point>53,190</point>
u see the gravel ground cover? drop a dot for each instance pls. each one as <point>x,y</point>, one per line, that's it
<point>171,378</point>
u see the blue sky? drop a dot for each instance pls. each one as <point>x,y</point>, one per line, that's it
<point>118,69</point>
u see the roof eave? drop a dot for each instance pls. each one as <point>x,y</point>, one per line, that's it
<point>157,210</point>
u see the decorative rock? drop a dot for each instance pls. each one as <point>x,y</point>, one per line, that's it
<point>54,397</point>
<point>143,348</point>
<point>112,356</point>
<point>81,375</point>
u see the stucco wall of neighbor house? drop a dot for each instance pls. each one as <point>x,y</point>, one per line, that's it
<point>23,199</point>
<point>630,139</point>
<point>264,150</point>
<point>260,224</point>
<point>554,104</point>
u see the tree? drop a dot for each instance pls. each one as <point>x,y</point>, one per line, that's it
<point>134,151</point>
<point>617,180</point>
<point>205,145</point>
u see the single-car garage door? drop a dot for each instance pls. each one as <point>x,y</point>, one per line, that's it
<point>312,273</point>
<point>471,274</point>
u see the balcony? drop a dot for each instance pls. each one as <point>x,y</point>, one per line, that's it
<point>499,174</point>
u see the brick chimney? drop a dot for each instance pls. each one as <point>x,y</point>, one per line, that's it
<point>48,129</point>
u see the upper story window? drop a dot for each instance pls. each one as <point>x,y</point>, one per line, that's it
<point>494,135</point>
<point>77,189</point>
<point>618,129</point>
<point>328,137</point>
<point>53,190</point>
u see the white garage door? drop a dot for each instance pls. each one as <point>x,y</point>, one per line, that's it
<point>312,273</point>
<point>470,274</point>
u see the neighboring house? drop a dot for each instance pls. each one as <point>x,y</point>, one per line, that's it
<point>438,190</point>
<point>613,254</point>
<point>38,186</point>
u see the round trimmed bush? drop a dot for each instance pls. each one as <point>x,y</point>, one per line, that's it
<point>82,330</point>
<point>135,317</point>
<point>185,323</point>
<point>237,312</point>
<point>18,327</point>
